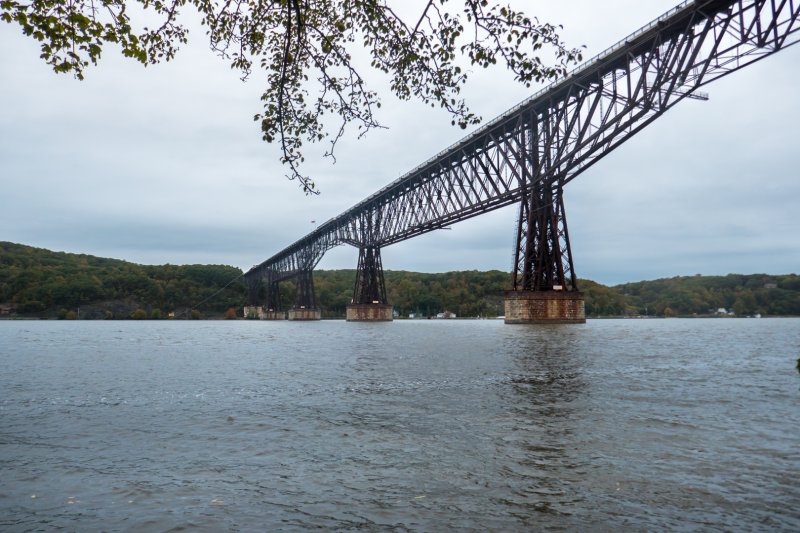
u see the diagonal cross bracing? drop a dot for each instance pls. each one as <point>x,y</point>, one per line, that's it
<point>572,123</point>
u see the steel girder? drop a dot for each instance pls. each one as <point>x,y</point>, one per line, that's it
<point>572,124</point>
<point>305,297</point>
<point>253,289</point>
<point>543,256</point>
<point>273,300</point>
<point>370,287</point>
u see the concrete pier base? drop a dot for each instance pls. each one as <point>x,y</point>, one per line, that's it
<point>369,313</point>
<point>544,307</point>
<point>255,311</point>
<point>304,314</point>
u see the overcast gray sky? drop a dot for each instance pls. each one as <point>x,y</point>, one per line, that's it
<point>165,165</point>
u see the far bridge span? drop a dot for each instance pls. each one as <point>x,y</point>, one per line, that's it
<point>528,154</point>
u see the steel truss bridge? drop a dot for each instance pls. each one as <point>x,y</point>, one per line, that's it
<point>528,154</point>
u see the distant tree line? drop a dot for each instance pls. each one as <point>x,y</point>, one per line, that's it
<point>474,293</point>
<point>698,295</point>
<point>38,282</point>
<point>469,293</point>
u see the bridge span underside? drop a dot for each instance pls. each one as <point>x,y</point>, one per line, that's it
<point>530,153</point>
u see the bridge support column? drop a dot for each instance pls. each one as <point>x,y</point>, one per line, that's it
<point>270,311</point>
<point>545,288</point>
<point>369,302</point>
<point>253,281</point>
<point>305,303</point>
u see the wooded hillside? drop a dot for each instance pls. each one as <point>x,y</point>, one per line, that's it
<point>41,283</point>
<point>742,294</point>
<point>38,282</point>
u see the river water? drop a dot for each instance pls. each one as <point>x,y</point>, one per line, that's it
<point>425,425</point>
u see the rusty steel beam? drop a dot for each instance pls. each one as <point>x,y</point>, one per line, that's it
<point>559,132</point>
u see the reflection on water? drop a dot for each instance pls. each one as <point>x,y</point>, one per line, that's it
<point>546,392</point>
<point>418,425</point>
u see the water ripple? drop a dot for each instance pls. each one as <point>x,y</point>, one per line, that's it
<point>410,426</point>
